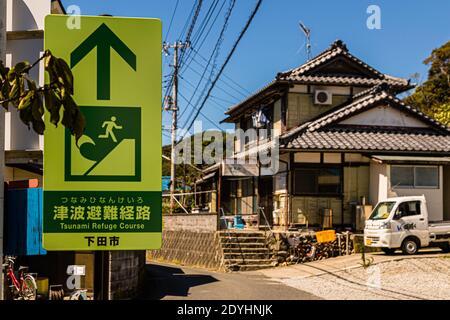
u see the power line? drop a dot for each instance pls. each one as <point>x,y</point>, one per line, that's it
<point>213,57</point>
<point>215,52</point>
<point>190,18</point>
<point>218,87</point>
<point>206,117</point>
<point>244,94</point>
<point>194,20</point>
<point>203,28</point>
<point>227,60</point>
<point>221,99</point>
<point>171,20</point>
<point>224,108</point>
<point>233,81</point>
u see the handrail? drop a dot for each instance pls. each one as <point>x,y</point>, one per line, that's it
<point>267,221</point>
<point>190,193</point>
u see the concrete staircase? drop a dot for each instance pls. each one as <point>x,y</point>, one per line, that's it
<point>245,250</point>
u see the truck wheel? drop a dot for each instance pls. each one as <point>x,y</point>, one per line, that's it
<point>410,246</point>
<point>388,251</point>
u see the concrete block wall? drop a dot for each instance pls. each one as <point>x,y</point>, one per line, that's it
<point>126,274</point>
<point>191,222</point>
<point>199,249</point>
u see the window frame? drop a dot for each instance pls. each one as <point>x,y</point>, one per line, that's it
<point>319,169</point>
<point>417,202</point>
<point>414,185</point>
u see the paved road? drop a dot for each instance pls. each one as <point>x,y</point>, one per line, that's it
<point>333,265</point>
<point>173,282</point>
<point>423,276</point>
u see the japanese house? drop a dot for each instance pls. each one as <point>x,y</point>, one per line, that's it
<point>345,140</point>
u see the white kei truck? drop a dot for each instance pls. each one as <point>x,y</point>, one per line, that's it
<point>402,223</point>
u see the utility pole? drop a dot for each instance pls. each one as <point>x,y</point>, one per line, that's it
<point>173,106</point>
<point>2,143</point>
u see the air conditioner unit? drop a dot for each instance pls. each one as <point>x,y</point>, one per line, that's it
<point>323,97</point>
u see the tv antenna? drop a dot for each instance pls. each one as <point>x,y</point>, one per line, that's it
<point>307,32</point>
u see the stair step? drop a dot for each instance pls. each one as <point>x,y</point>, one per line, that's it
<point>246,250</point>
<point>241,234</point>
<point>248,261</point>
<point>246,245</point>
<point>245,256</point>
<point>242,239</point>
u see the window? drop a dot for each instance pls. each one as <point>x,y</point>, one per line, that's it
<point>317,181</point>
<point>426,177</point>
<point>415,176</point>
<point>406,209</point>
<point>382,210</point>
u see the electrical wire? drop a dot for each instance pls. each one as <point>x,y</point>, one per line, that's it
<point>206,117</point>
<point>227,60</point>
<point>225,76</point>
<point>171,20</point>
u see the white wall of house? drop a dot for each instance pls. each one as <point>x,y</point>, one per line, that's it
<point>24,15</point>
<point>381,189</point>
<point>277,126</point>
<point>384,116</point>
<point>434,196</point>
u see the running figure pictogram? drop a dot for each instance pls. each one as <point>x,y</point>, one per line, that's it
<point>110,126</point>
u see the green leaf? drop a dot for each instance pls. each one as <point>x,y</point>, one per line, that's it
<point>5,94</point>
<point>53,105</point>
<point>3,71</point>
<point>11,74</point>
<point>21,66</point>
<point>38,126</point>
<point>55,114</point>
<point>26,101</point>
<point>21,82</point>
<point>47,59</point>
<point>26,116</point>
<point>31,84</point>
<point>37,108</point>
<point>14,91</point>
<point>66,74</point>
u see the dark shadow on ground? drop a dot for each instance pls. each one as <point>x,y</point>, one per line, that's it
<point>161,281</point>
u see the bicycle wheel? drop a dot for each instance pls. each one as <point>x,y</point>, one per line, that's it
<point>29,288</point>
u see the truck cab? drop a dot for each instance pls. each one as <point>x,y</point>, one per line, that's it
<point>398,223</point>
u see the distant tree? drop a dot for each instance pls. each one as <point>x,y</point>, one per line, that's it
<point>17,89</point>
<point>433,96</point>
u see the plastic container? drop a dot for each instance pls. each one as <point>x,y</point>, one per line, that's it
<point>42,286</point>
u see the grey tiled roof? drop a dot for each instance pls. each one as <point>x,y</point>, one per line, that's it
<point>372,97</point>
<point>325,132</point>
<point>338,48</point>
<point>346,80</point>
<point>306,74</point>
<point>370,140</point>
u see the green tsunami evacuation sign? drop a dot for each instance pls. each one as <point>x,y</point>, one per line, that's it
<point>103,192</point>
<point>113,135</point>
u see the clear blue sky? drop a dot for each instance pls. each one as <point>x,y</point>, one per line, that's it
<point>410,29</point>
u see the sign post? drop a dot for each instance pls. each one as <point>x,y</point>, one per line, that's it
<point>104,191</point>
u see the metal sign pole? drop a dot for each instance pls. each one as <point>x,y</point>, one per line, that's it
<point>2,141</point>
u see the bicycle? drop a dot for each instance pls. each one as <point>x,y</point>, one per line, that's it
<point>24,287</point>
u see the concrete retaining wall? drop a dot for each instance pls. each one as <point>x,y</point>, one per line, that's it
<point>126,269</point>
<point>191,222</point>
<point>200,249</point>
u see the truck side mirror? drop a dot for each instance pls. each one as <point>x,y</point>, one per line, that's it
<point>397,215</point>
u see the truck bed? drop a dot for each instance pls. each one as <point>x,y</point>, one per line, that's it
<point>439,227</point>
